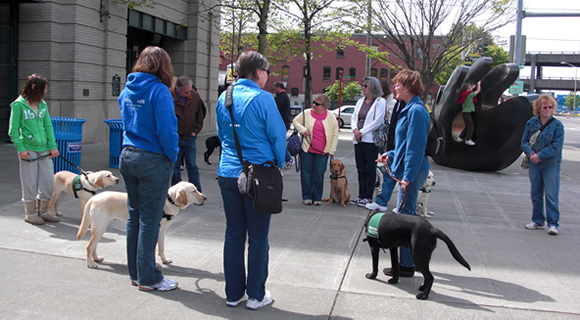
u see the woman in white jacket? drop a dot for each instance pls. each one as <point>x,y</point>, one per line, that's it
<point>368,115</point>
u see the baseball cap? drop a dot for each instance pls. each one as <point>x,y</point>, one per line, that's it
<point>279,85</point>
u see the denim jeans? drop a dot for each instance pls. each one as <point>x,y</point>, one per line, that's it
<point>146,178</point>
<point>386,190</point>
<point>365,156</point>
<point>312,167</point>
<point>545,183</point>
<point>187,150</point>
<point>406,260</point>
<point>242,220</point>
<point>287,157</point>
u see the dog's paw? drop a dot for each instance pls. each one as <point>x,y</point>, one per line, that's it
<point>343,204</point>
<point>422,287</point>
<point>329,202</point>
<point>372,275</point>
<point>393,281</point>
<point>158,265</point>
<point>98,259</point>
<point>92,265</point>
<point>167,261</point>
<point>430,213</point>
<point>422,296</point>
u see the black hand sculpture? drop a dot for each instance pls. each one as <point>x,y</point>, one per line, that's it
<point>498,128</point>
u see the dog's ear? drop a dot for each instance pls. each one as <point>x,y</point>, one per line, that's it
<point>342,166</point>
<point>182,198</point>
<point>99,181</point>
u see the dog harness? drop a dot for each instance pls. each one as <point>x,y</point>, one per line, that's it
<point>373,226</point>
<point>332,176</point>
<point>165,215</point>
<point>77,185</point>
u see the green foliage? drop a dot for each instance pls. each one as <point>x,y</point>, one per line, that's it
<point>349,90</point>
<point>132,4</point>
<point>570,101</point>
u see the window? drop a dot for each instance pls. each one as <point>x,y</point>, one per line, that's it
<point>326,73</point>
<point>384,76</point>
<point>374,72</point>
<point>338,70</point>
<point>339,53</point>
<point>285,73</point>
<point>393,73</point>
<point>294,92</point>
<point>352,73</point>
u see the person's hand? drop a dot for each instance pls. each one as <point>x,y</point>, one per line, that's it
<point>194,134</point>
<point>329,154</point>
<point>357,135</point>
<point>24,155</point>
<point>383,158</point>
<point>306,133</point>
<point>534,158</point>
<point>498,128</point>
<point>54,153</point>
<point>404,185</point>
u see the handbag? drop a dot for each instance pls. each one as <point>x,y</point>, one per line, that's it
<point>381,134</point>
<point>261,183</point>
<point>526,160</point>
<point>293,143</point>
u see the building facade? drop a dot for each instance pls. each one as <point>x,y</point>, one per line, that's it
<point>86,48</point>
<point>327,65</point>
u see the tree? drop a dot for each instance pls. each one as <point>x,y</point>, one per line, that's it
<point>570,101</point>
<point>349,91</point>
<point>411,28</point>
<point>315,17</point>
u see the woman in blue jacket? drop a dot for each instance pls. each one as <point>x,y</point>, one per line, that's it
<point>545,158</point>
<point>146,162</point>
<point>262,137</point>
<point>408,162</point>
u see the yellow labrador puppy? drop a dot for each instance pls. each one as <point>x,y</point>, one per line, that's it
<point>424,193</point>
<point>79,186</point>
<point>110,205</point>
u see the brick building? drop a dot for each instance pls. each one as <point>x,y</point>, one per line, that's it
<point>327,65</point>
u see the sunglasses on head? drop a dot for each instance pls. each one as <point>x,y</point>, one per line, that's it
<point>316,103</point>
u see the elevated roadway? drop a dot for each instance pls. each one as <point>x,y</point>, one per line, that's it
<point>538,60</point>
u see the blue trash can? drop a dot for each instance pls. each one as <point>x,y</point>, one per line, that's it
<point>115,141</point>
<point>68,133</point>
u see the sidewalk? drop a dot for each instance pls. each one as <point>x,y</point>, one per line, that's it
<point>317,258</point>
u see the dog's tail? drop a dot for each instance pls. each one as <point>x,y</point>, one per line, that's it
<point>85,221</point>
<point>454,252</point>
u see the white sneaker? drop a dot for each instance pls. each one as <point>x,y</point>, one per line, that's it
<point>534,226</point>
<point>254,304</point>
<point>553,230</point>
<point>164,285</point>
<point>235,303</point>
<point>356,201</point>
<point>469,142</point>
<point>288,164</point>
<point>376,206</point>
<point>364,202</point>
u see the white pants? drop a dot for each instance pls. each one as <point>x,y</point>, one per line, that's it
<point>36,177</point>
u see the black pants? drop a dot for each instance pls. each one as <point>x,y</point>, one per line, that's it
<point>468,130</point>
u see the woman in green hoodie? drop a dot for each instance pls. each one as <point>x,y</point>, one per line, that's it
<point>32,134</point>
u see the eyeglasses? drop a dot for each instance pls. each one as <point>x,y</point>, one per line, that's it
<point>267,71</point>
<point>365,85</point>
<point>316,103</point>
<point>547,107</point>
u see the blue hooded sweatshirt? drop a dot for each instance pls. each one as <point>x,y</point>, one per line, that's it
<point>149,121</point>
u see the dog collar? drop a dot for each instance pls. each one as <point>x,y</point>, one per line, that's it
<point>425,190</point>
<point>171,201</point>
<point>332,176</point>
<point>88,181</point>
<point>167,216</point>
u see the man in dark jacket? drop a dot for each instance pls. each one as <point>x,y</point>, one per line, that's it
<point>189,113</point>
<point>283,103</point>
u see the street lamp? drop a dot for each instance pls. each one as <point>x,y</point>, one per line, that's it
<point>575,77</point>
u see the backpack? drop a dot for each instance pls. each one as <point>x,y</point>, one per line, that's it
<point>435,138</point>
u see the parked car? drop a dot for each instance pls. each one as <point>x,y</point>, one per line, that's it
<point>345,115</point>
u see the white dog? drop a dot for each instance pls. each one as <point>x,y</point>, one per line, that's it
<point>86,187</point>
<point>423,192</point>
<point>110,205</point>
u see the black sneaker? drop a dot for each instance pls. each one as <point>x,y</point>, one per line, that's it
<point>404,272</point>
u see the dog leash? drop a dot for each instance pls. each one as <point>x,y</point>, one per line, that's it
<point>399,181</point>
<point>37,158</point>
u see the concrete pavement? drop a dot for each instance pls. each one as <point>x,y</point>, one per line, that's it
<point>317,258</point>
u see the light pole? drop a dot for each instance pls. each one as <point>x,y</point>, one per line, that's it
<point>575,78</point>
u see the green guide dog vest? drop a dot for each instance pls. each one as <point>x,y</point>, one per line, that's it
<point>373,226</point>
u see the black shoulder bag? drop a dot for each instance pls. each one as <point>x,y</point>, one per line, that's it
<point>259,182</point>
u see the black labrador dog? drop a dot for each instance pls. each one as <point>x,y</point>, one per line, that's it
<point>396,230</point>
<point>211,143</point>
